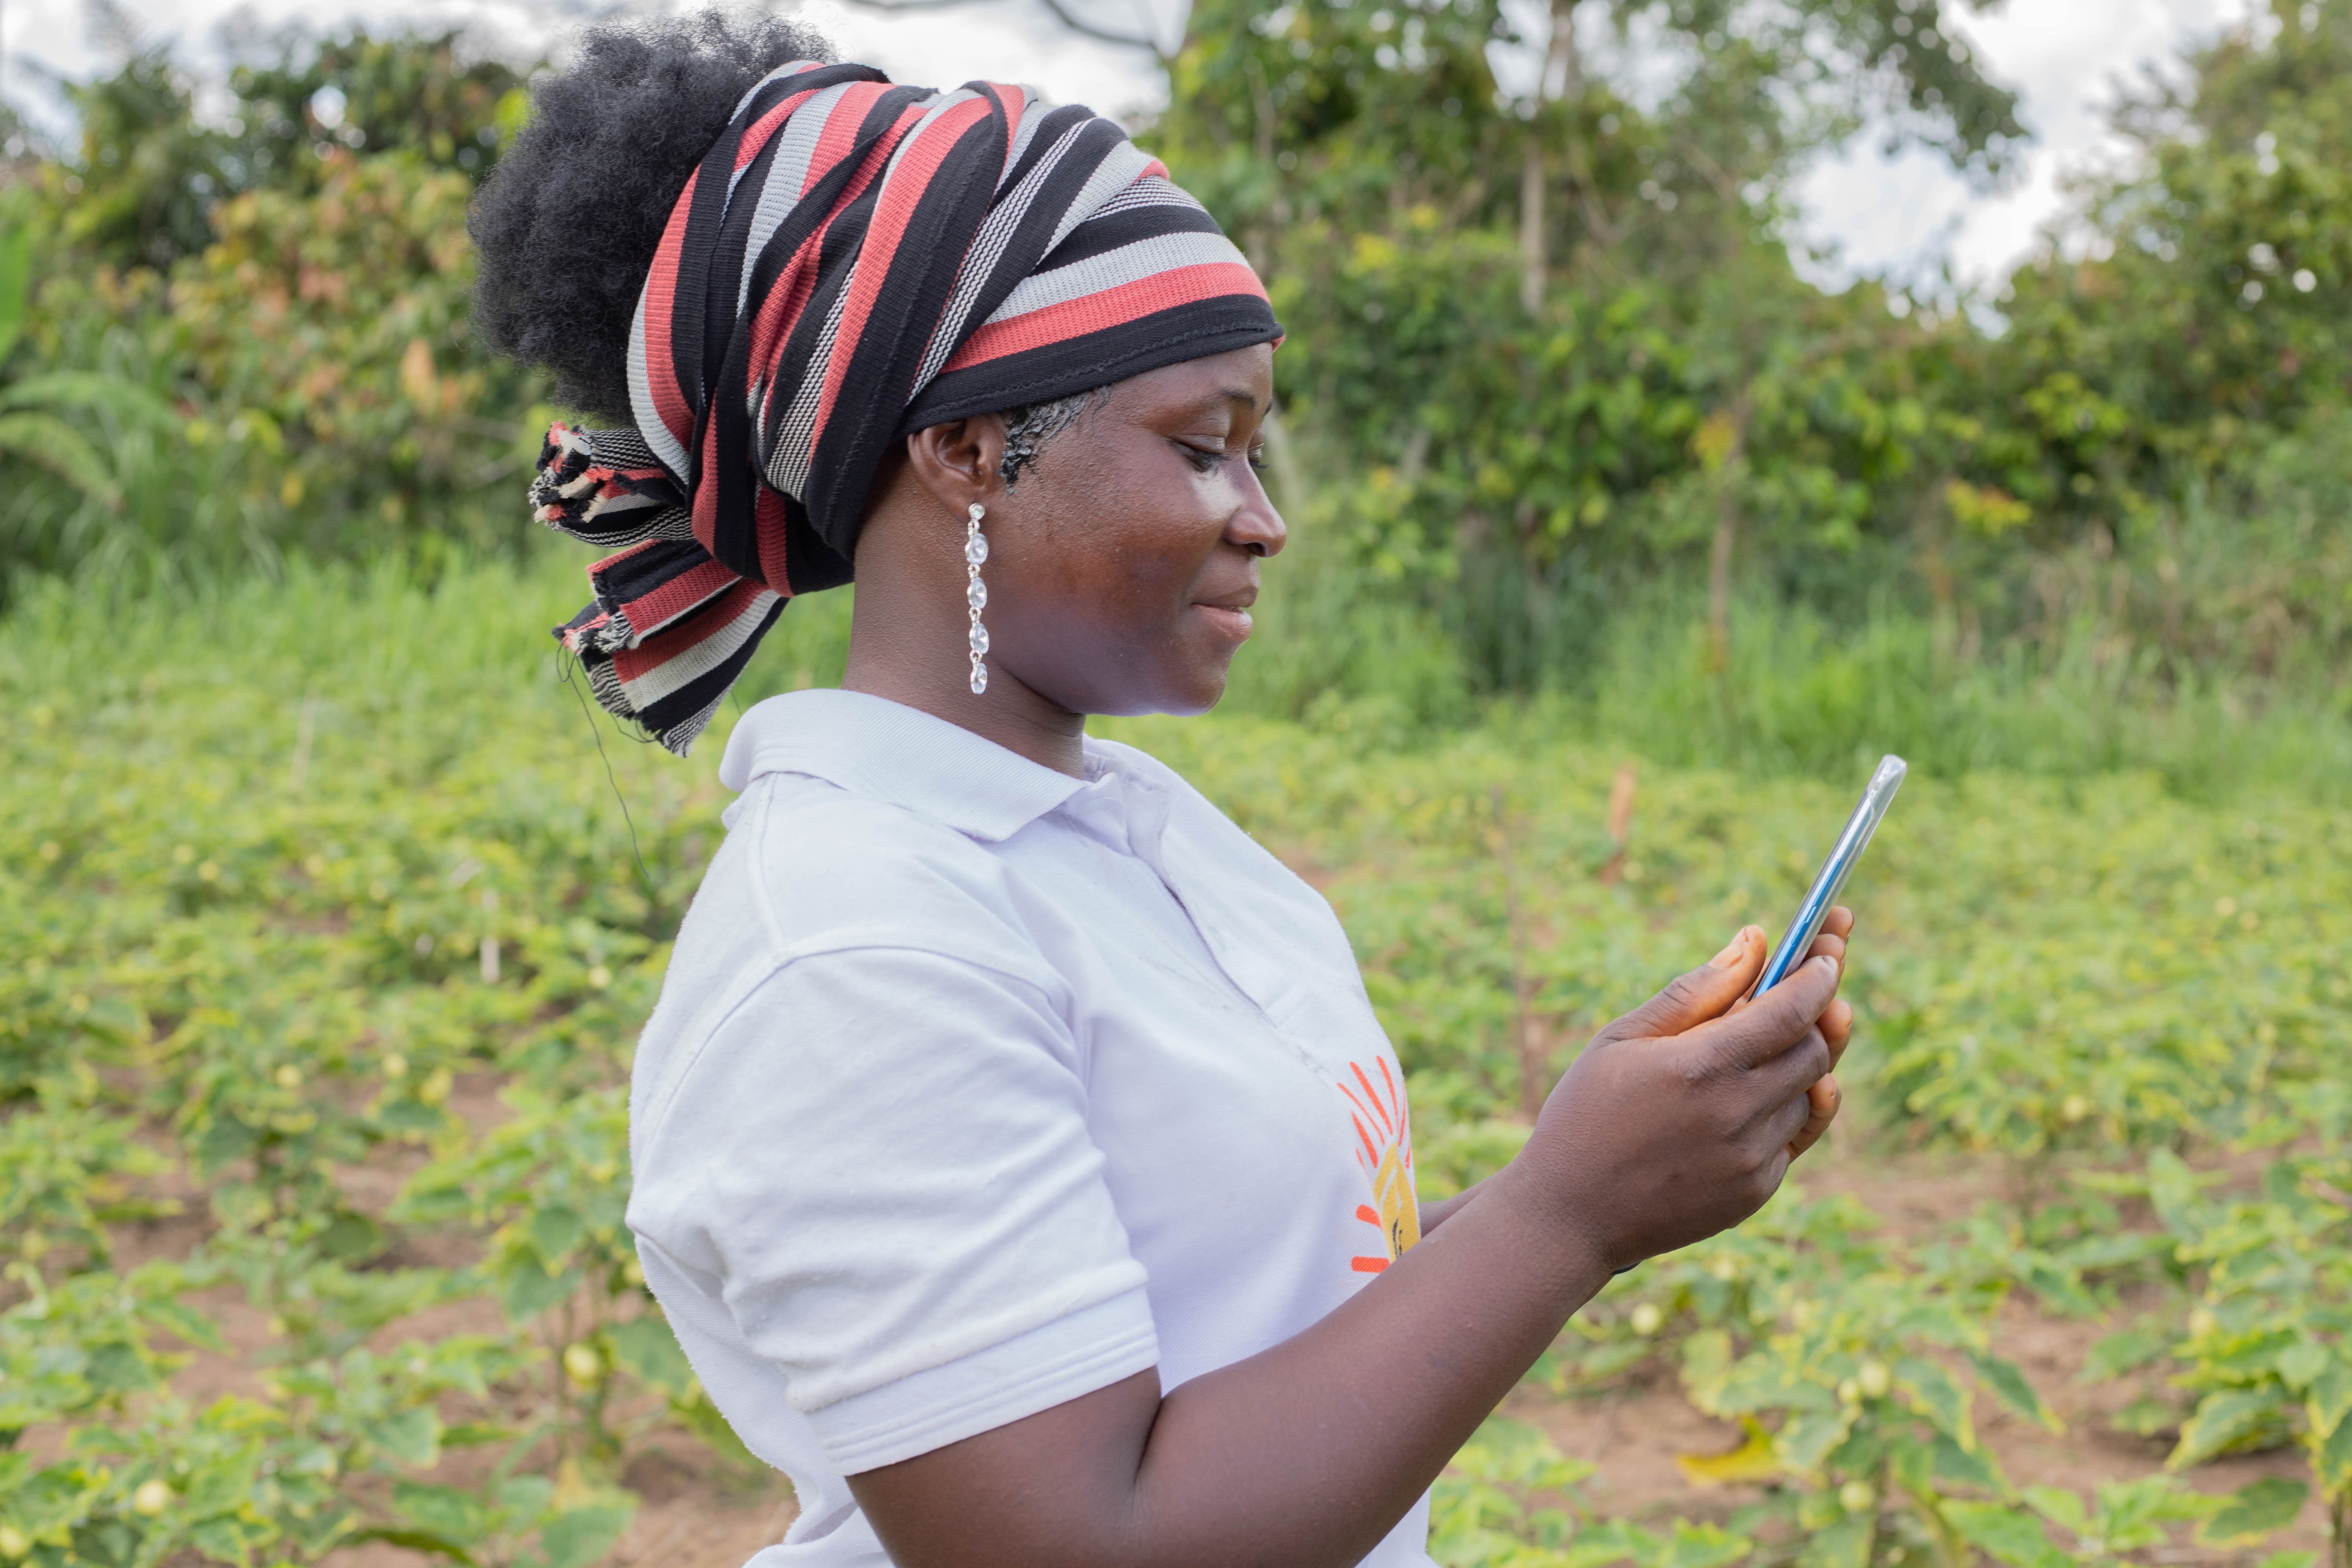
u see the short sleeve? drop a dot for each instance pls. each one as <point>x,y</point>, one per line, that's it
<point>881,1159</point>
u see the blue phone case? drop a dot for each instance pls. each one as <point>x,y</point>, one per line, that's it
<point>1877,796</point>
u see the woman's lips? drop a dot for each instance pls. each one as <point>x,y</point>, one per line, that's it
<point>1232,622</point>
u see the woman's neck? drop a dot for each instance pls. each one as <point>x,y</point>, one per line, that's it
<point>896,651</point>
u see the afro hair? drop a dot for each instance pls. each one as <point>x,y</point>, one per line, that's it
<point>567,224</point>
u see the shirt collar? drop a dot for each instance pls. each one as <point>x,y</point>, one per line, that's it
<point>887,752</point>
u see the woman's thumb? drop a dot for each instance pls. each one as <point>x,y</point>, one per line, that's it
<point>1691,999</point>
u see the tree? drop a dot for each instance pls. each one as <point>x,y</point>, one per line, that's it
<point>35,409</point>
<point>405,93</point>
<point>1553,332</point>
<point>144,174</point>
<point>2199,310</point>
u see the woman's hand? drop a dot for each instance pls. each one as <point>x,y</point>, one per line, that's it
<point>1680,1119</point>
<point>1677,1121</point>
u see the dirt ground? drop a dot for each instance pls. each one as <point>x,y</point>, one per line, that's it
<point>694,1514</point>
<point>1633,1434</point>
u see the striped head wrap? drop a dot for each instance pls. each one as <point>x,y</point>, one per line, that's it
<point>852,261</point>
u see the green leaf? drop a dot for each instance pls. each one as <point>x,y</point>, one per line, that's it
<point>1701,1546</point>
<point>411,1437</point>
<point>649,1351</point>
<point>16,277</point>
<point>1806,1440</point>
<point>448,1513</point>
<point>2001,1531</point>
<point>2328,1399</point>
<point>2118,1354</point>
<point>2010,1386</point>
<point>185,1321</point>
<point>1968,1466</point>
<point>2225,1419</point>
<point>1937,1396</point>
<point>2332,1458</point>
<point>2060,1507</point>
<point>1845,1544</point>
<point>49,441</point>
<point>2172,1192</point>
<point>2253,1511</point>
<point>352,1237</point>
<point>528,1291</point>
<point>118,1368</point>
<point>2303,1361</point>
<point>576,1539</point>
<point>1613,1541</point>
<point>90,389</point>
<point>557,1232</point>
<point>473,1434</point>
<point>526,1496</point>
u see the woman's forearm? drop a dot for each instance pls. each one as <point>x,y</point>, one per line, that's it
<point>1330,1437</point>
<point>1305,1454</point>
<point>1436,1211</point>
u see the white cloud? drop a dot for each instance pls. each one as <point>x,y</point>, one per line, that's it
<point>1900,216</point>
<point>1004,40</point>
<point>2066,59</point>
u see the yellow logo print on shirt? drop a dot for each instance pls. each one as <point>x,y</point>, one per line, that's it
<point>1385,1150</point>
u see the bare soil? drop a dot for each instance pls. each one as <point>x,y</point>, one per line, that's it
<point>1632,1435</point>
<point>697,1514</point>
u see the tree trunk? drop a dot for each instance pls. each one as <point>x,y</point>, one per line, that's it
<point>1562,81</point>
<point>1534,261</point>
<point>1563,71</point>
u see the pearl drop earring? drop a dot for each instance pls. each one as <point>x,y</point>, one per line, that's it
<point>975,593</point>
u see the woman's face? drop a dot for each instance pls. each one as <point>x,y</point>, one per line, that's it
<point>1123,561</point>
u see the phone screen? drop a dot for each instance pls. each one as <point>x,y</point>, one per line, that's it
<point>1877,796</point>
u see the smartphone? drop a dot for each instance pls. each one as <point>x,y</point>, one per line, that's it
<point>1877,796</point>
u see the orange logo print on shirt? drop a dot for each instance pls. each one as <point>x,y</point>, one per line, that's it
<point>1384,1148</point>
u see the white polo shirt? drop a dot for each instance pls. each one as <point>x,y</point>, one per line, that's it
<point>975,1088</point>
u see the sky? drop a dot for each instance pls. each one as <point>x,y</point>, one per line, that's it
<point>1907,218</point>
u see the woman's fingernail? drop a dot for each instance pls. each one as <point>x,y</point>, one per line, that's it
<point>1729,955</point>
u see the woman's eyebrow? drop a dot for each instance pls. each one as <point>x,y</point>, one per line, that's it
<point>1222,396</point>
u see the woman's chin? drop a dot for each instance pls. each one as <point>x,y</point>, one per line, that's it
<point>1204,689</point>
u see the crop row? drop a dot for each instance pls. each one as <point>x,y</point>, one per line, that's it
<point>325,968</point>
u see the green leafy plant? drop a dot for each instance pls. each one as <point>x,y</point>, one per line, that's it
<point>36,410</point>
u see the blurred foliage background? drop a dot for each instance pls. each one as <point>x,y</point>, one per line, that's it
<point>1559,414</point>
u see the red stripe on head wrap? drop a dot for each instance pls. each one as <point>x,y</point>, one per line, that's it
<point>839,137</point>
<point>775,517</point>
<point>660,296</point>
<point>1075,318</point>
<point>756,134</point>
<point>636,663</point>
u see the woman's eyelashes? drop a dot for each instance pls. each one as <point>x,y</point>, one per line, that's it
<point>1205,458</point>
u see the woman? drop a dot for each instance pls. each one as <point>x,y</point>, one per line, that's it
<point>1016,1155</point>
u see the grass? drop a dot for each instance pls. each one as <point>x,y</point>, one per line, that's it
<point>335,915</point>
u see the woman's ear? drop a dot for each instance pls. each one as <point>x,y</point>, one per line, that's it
<point>959,462</point>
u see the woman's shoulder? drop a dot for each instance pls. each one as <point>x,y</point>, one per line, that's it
<point>830,862</point>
